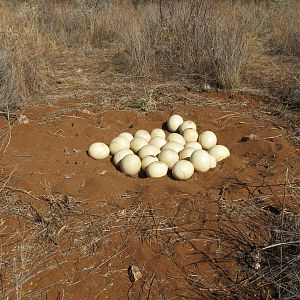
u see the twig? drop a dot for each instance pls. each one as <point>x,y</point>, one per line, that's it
<point>57,132</point>
<point>21,191</point>
<point>280,244</point>
<point>152,279</point>
<point>8,179</point>
<point>281,225</point>
<point>9,133</point>
<point>271,137</point>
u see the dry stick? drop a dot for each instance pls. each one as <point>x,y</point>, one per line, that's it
<point>9,177</point>
<point>30,275</point>
<point>271,137</point>
<point>21,191</point>
<point>45,288</point>
<point>282,223</point>
<point>152,279</point>
<point>281,244</point>
<point>9,133</point>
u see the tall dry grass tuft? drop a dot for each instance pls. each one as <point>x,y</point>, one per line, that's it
<point>284,24</point>
<point>231,45</point>
<point>78,25</point>
<point>213,39</point>
<point>20,50</point>
<point>231,37</point>
<point>283,44</point>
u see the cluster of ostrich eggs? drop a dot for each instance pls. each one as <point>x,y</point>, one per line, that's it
<point>181,151</point>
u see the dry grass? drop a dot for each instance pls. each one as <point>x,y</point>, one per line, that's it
<point>20,50</point>
<point>250,258</point>
<point>228,45</point>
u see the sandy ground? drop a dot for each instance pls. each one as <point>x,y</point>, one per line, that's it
<point>75,224</point>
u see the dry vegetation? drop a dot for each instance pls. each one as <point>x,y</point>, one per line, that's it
<point>50,231</point>
<point>230,45</point>
<point>238,45</point>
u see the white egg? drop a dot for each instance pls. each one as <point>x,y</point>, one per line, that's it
<point>158,141</point>
<point>147,160</point>
<point>157,169</point>
<point>194,145</point>
<point>118,143</point>
<point>137,143</point>
<point>220,152</point>
<point>201,160</point>
<point>186,153</point>
<point>174,122</point>
<point>168,156</point>
<point>120,155</point>
<point>148,150</point>
<point>183,170</point>
<point>158,132</point>
<point>187,124</point>
<point>98,150</point>
<point>144,134</point>
<point>175,137</point>
<point>207,139</point>
<point>190,135</point>
<point>130,164</point>
<point>127,135</point>
<point>173,145</point>
<point>213,161</point>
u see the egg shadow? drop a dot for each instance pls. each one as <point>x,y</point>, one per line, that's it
<point>170,175</point>
<point>164,126</point>
<point>116,167</point>
<point>112,161</point>
<point>142,174</point>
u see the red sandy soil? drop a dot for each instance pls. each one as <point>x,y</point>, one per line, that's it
<point>74,225</point>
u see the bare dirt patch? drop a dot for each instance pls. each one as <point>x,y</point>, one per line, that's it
<point>72,226</point>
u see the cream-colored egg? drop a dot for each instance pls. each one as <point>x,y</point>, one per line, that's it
<point>174,122</point>
<point>187,124</point>
<point>127,135</point>
<point>158,132</point>
<point>98,150</point>
<point>194,145</point>
<point>130,164</point>
<point>144,134</point>
<point>120,155</point>
<point>148,150</point>
<point>157,169</point>
<point>168,156</point>
<point>183,170</point>
<point>147,160</point>
<point>201,160</point>
<point>220,152</point>
<point>186,153</point>
<point>158,141</point>
<point>207,139</point>
<point>177,147</point>
<point>175,137</point>
<point>118,143</point>
<point>190,135</point>
<point>137,143</point>
<point>213,161</point>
